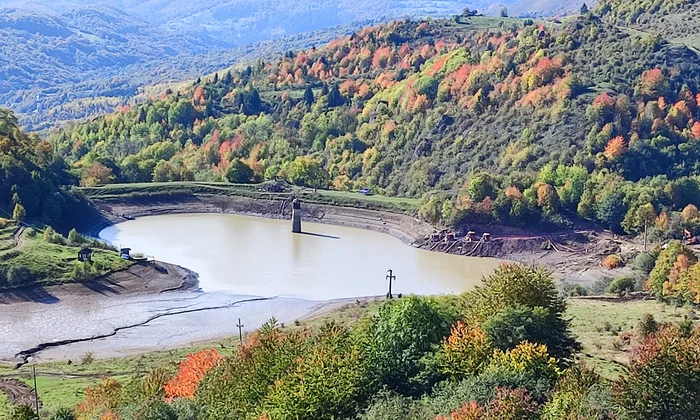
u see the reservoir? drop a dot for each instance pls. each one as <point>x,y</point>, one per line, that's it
<point>252,256</point>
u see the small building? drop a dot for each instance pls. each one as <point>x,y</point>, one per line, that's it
<point>486,237</point>
<point>125,253</point>
<point>85,255</point>
<point>471,236</point>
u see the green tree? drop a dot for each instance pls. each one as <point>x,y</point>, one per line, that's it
<point>513,325</point>
<point>239,173</point>
<point>328,381</point>
<point>430,209</point>
<point>75,238</point>
<point>309,96</point>
<point>398,339</point>
<point>19,213</point>
<point>610,210</point>
<point>305,170</point>
<point>664,264</point>
<point>480,187</point>
<point>335,98</point>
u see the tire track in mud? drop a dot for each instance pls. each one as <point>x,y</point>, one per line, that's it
<point>25,354</point>
<point>18,393</point>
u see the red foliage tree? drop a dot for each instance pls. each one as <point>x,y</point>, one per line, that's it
<point>192,371</point>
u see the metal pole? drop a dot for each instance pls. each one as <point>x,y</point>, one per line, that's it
<point>240,331</point>
<point>390,277</point>
<point>36,393</point>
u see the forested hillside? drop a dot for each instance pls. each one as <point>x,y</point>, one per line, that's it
<point>486,118</point>
<point>32,177</point>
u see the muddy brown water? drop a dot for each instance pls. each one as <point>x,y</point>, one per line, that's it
<point>261,257</point>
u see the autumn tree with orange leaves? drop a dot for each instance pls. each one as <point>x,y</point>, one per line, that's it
<point>192,371</point>
<point>615,148</point>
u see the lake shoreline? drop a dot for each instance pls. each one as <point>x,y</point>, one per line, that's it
<point>116,210</point>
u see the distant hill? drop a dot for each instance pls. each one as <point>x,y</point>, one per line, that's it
<point>238,22</point>
<point>68,59</point>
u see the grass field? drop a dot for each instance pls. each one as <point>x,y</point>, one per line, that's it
<point>340,198</point>
<point>5,407</point>
<point>48,263</point>
<point>598,323</point>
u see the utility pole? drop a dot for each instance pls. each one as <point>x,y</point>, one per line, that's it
<point>36,393</point>
<point>645,235</point>
<point>391,277</point>
<point>240,331</point>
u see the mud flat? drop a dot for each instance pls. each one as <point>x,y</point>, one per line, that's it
<point>128,312</point>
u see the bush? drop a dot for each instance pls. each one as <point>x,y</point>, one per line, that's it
<point>644,262</point>
<point>647,325</point>
<point>63,414</point>
<point>580,394</point>
<point>622,285</point>
<point>578,290</point>
<point>391,406</point>
<point>612,261</point>
<point>23,412</point>
<point>87,358</point>
<point>19,275</point>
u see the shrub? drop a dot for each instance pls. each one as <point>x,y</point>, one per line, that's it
<point>87,358</point>
<point>644,262</point>
<point>578,290</point>
<point>23,412</point>
<point>622,285</point>
<point>391,406</point>
<point>647,325</point>
<point>63,414</point>
<point>612,261</point>
<point>600,286</point>
<point>580,394</point>
<point>19,275</point>
<point>512,404</point>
